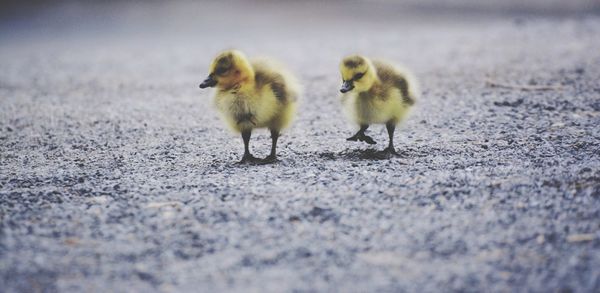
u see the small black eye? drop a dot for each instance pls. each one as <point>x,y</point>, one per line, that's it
<point>221,70</point>
<point>358,76</point>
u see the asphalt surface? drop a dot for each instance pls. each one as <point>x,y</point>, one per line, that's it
<point>118,176</point>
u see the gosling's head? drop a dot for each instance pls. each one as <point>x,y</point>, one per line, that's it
<point>228,69</point>
<point>357,74</point>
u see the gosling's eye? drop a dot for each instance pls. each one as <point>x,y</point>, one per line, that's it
<point>358,76</point>
<point>221,70</point>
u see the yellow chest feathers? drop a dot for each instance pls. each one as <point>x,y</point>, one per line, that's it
<point>246,110</point>
<point>372,108</point>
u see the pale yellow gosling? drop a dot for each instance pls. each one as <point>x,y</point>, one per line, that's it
<point>375,92</point>
<point>253,94</point>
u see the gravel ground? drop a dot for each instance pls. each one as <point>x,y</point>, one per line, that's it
<point>117,175</point>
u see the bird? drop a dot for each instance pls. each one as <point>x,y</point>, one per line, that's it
<point>376,92</point>
<point>252,94</point>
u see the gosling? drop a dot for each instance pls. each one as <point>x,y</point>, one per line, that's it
<point>375,92</point>
<point>252,94</point>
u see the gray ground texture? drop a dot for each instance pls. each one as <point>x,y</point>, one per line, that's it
<point>117,174</point>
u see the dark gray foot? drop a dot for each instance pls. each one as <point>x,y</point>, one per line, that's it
<point>361,137</point>
<point>368,139</point>
<point>353,138</point>
<point>249,159</point>
<point>269,160</point>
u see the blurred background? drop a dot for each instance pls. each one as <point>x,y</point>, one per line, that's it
<point>47,18</point>
<point>187,34</point>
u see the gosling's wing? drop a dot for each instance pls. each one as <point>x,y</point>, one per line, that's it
<point>279,90</point>
<point>281,83</point>
<point>401,83</point>
<point>398,79</point>
<point>274,82</point>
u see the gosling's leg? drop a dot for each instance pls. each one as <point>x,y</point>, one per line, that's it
<point>360,135</point>
<point>247,158</point>
<point>273,155</point>
<point>391,127</point>
<point>390,150</point>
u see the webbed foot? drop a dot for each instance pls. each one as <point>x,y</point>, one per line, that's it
<point>269,160</point>
<point>361,137</point>
<point>249,159</point>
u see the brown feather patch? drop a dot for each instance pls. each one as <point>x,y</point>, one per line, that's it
<point>353,62</point>
<point>224,64</point>
<point>275,81</point>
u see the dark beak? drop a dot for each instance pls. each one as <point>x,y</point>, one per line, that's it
<point>347,86</point>
<point>208,82</point>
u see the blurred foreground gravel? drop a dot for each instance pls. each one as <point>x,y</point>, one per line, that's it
<point>116,174</point>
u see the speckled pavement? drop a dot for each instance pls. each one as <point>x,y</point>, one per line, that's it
<point>118,176</point>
